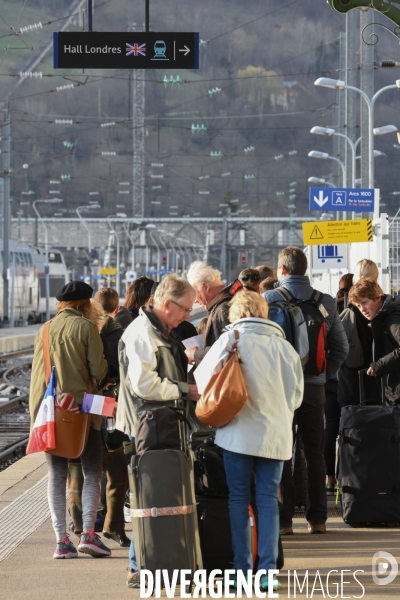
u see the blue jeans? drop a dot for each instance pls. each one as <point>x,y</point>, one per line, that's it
<point>132,555</point>
<point>239,469</point>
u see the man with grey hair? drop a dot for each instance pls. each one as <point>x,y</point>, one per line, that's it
<point>153,365</point>
<point>214,296</point>
<point>292,267</point>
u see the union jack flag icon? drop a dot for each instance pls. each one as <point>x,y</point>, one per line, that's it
<point>135,49</point>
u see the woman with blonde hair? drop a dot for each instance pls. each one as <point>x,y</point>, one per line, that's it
<point>76,351</point>
<point>259,438</point>
<point>365,268</point>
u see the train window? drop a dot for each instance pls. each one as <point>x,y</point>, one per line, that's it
<point>29,259</point>
<point>15,256</point>
<point>30,296</point>
<point>21,258</point>
<point>55,257</point>
<point>56,283</point>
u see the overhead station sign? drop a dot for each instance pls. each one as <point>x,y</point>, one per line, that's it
<point>125,50</point>
<point>354,199</point>
<point>108,271</point>
<point>337,232</point>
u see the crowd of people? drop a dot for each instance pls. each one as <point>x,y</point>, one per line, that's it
<point>133,351</point>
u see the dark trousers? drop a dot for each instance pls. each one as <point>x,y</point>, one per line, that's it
<point>332,420</point>
<point>114,465</point>
<point>310,422</point>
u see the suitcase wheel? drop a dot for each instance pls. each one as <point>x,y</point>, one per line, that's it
<point>353,524</point>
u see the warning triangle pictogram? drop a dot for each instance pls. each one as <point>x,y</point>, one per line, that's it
<point>316,234</point>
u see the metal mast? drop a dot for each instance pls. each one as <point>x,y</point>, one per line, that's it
<point>138,141</point>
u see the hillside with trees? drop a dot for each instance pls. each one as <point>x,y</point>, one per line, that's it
<point>254,89</point>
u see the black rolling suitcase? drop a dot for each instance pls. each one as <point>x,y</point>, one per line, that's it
<point>212,507</point>
<point>212,502</point>
<point>215,533</point>
<point>163,509</point>
<point>369,462</point>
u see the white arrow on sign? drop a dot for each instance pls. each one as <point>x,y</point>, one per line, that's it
<point>321,200</point>
<point>186,50</point>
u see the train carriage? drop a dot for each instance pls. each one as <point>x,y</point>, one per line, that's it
<point>27,281</point>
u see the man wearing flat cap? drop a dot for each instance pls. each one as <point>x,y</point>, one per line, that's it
<point>76,352</point>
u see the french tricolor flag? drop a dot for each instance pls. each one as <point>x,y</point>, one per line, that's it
<point>98,405</point>
<point>42,436</point>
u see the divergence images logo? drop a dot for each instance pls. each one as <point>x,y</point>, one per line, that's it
<point>380,568</point>
<point>135,49</point>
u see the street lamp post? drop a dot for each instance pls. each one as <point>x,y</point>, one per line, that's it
<point>325,156</point>
<point>166,249</point>
<point>150,226</point>
<point>183,257</point>
<point>331,132</point>
<point>320,181</point>
<point>82,220</point>
<point>117,241</point>
<point>128,233</point>
<point>46,242</point>
<point>12,308</point>
<point>176,255</point>
<point>341,85</point>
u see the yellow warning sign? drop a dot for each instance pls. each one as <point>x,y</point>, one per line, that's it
<point>316,234</point>
<point>338,232</point>
<point>108,271</point>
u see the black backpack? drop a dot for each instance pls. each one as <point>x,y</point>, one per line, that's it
<point>305,320</point>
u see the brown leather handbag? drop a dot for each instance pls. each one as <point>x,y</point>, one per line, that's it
<point>71,428</point>
<point>225,393</point>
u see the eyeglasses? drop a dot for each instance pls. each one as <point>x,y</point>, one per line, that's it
<point>250,276</point>
<point>188,310</point>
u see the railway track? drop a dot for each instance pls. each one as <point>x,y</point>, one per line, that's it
<point>15,369</point>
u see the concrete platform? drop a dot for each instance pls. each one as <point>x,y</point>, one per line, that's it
<point>30,572</point>
<point>17,338</point>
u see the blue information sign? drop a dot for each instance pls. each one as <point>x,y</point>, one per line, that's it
<point>354,199</point>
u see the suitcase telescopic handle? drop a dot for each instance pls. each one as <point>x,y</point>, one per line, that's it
<point>361,374</point>
<point>179,406</point>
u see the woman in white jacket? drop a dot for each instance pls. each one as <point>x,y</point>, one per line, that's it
<point>259,438</point>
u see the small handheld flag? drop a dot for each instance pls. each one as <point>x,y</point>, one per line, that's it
<point>98,405</point>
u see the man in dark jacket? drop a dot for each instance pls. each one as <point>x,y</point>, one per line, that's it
<point>292,266</point>
<point>123,316</point>
<point>384,314</point>
<point>214,296</point>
